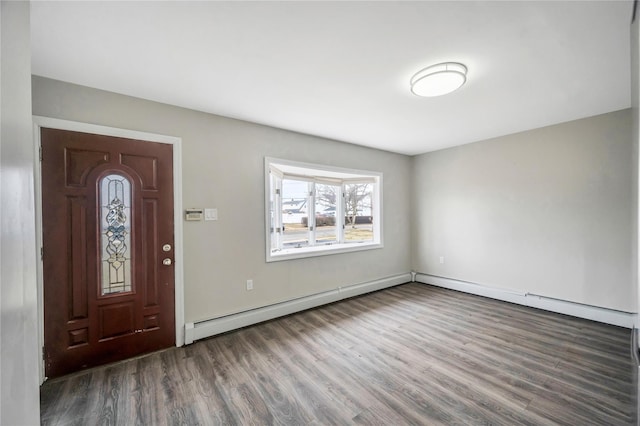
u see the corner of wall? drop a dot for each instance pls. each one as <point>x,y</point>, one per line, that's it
<point>19,384</point>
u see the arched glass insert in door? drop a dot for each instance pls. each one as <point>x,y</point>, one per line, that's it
<point>115,234</point>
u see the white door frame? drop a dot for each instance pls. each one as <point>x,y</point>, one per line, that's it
<point>54,123</point>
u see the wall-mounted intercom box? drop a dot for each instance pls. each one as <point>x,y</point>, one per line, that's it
<point>193,214</point>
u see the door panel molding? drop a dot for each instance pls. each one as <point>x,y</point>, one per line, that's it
<point>54,123</point>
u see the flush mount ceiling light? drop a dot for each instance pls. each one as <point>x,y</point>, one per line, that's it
<point>439,79</point>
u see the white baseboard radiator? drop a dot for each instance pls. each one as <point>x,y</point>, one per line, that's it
<point>594,313</point>
<point>208,328</point>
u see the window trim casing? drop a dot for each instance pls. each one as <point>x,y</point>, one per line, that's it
<point>323,250</point>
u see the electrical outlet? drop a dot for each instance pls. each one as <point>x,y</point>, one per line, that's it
<point>441,259</point>
<point>249,285</point>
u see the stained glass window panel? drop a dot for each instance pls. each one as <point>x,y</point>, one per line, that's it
<point>115,234</point>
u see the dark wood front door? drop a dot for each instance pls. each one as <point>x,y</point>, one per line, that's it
<point>108,249</point>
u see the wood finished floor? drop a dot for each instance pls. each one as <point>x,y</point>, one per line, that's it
<point>412,354</point>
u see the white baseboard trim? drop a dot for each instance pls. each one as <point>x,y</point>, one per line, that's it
<point>594,313</point>
<point>208,328</point>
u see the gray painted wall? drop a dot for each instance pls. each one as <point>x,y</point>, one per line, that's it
<point>223,163</point>
<point>548,211</point>
<point>19,393</point>
<point>635,116</point>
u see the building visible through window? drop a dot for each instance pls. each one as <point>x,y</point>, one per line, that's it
<point>314,210</point>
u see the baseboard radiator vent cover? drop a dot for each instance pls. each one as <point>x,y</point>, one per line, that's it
<point>594,313</point>
<point>208,328</point>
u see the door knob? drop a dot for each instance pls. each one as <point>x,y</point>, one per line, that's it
<point>166,262</point>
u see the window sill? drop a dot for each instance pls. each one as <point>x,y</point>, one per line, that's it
<point>324,250</point>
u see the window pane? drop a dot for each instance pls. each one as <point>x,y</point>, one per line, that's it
<point>314,210</point>
<point>358,222</point>
<point>326,197</point>
<point>295,196</point>
<point>115,234</point>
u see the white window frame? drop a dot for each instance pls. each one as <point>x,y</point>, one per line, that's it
<point>275,170</point>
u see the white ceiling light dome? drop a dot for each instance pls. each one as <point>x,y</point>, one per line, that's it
<point>439,79</point>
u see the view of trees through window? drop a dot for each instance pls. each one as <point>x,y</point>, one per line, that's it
<point>313,210</point>
<point>358,204</point>
<point>297,196</point>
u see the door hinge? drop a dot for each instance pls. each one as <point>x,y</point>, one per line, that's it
<point>41,253</point>
<point>44,357</point>
<point>277,192</point>
<point>40,153</point>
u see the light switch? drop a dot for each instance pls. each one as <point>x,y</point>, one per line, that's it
<point>210,214</point>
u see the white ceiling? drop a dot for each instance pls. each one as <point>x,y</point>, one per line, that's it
<point>341,69</point>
